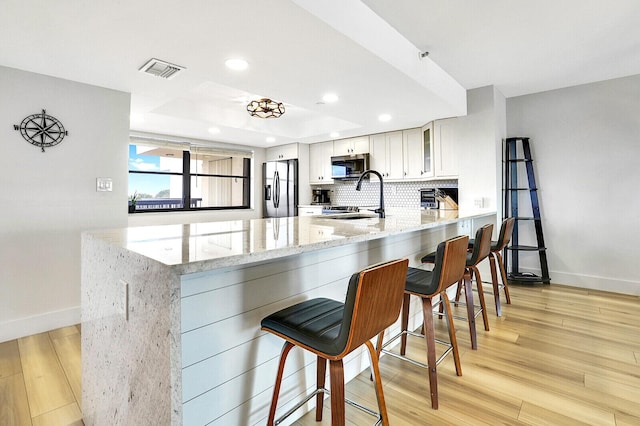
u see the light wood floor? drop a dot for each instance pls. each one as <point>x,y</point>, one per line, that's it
<point>557,356</point>
<point>40,379</point>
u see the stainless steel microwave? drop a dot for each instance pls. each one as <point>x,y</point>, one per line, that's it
<point>349,166</point>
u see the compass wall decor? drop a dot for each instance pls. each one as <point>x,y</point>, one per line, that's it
<point>42,130</point>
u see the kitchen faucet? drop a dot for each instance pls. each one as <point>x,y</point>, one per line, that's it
<point>380,210</point>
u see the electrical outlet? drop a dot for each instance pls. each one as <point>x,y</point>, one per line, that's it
<point>479,203</point>
<point>394,190</point>
<point>123,299</point>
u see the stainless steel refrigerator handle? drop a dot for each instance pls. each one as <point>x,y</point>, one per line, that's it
<point>276,187</point>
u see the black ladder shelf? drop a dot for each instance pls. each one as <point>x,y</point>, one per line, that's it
<point>511,209</point>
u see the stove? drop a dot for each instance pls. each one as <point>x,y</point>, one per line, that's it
<point>340,209</point>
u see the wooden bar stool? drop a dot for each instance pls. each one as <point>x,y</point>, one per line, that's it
<point>450,258</point>
<point>495,256</point>
<point>473,258</point>
<point>332,330</point>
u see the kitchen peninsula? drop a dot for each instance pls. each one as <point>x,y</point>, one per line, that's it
<point>171,314</point>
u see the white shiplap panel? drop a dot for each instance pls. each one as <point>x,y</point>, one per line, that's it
<point>224,398</point>
<point>212,306</point>
<point>229,364</point>
<point>256,386</point>
<point>202,281</point>
<point>209,341</point>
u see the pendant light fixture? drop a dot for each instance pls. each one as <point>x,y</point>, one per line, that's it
<point>265,108</point>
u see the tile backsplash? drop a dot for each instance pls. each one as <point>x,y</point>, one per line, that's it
<point>396,194</point>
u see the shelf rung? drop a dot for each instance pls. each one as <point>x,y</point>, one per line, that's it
<point>526,248</point>
<point>527,277</point>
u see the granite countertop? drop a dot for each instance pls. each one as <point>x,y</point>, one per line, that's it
<point>202,246</point>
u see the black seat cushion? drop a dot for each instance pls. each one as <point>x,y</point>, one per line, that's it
<point>315,323</point>
<point>431,258</point>
<point>420,281</point>
<point>494,245</point>
<point>321,324</point>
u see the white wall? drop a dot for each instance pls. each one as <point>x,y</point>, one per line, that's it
<point>479,136</point>
<point>50,197</point>
<point>585,145</point>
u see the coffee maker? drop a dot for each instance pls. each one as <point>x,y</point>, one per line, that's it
<point>320,196</point>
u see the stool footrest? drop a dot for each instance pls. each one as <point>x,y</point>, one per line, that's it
<point>326,391</point>
<point>475,314</point>
<point>412,361</point>
<point>299,404</point>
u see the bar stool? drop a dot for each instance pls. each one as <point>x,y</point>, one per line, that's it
<point>450,257</point>
<point>478,254</point>
<point>332,330</point>
<point>495,256</point>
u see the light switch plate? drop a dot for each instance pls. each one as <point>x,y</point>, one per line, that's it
<point>104,184</point>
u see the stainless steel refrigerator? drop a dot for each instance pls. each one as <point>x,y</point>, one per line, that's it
<point>280,195</point>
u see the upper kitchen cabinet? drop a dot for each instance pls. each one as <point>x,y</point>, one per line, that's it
<point>445,148</point>
<point>282,152</point>
<point>386,154</point>
<point>359,145</point>
<point>416,154</point>
<point>320,162</point>
<point>427,144</point>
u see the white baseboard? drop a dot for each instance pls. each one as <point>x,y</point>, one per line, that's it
<point>592,282</point>
<point>22,327</point>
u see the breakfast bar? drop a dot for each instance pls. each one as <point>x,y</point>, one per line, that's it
<point>171,314</point>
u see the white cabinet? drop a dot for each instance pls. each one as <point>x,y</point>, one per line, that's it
<point>427,143</point>
<point>309,210</point>
<point>417,154</point>
<point>320,162</point>
<point>386,154</point>
<point>282,152</point>
<point>359,145</point>
<point>445,148</point>
<point>413,152</point>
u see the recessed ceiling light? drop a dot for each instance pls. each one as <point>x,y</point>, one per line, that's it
<point>214,130</point>
<point>330,97</point>
<point>236,64</point>
<point>384,117</point>
<point>271,139</point>
<point>334,134</point>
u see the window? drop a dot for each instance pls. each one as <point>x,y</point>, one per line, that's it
<point>172,176</point>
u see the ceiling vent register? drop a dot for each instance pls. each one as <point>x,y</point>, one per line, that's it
<point>161,68</point>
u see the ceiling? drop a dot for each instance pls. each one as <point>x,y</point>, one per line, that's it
<point>367,52</point>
